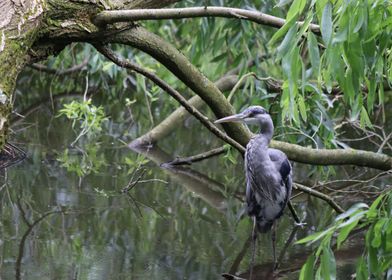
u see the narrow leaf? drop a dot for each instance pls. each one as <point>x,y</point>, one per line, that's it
<point>314,53</point>
<point>326,23</point>
<point>307,269</point>
<point>283,30</point>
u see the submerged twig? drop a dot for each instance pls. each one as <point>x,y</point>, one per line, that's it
<point>132,183</point>
<point>196,158</point>
<point>11,155</point>
<point>30,227</point>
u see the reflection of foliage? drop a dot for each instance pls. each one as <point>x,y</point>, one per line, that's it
<point>87,115</point>
<point>229,154</point>
<point>377,259</point>
<point>84,162</point>
<point>133,164</point>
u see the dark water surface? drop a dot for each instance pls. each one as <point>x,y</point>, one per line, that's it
<point>181,223</point>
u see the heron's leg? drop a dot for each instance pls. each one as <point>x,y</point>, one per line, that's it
<point>286,245</point>
<point>254,236</point>
<point>273,238</point>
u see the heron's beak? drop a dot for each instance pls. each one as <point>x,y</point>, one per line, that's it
<point>234,118</point>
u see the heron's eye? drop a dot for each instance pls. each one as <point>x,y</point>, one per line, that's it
<point>255,113</point>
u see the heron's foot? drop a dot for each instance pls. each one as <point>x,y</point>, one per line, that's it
<point>275,267</point>
<point>229,276</point>
<point>301,224</point>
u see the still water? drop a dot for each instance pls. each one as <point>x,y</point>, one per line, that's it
<point>174,223</point>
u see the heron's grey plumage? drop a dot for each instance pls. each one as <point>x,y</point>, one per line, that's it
<point>267,170</point>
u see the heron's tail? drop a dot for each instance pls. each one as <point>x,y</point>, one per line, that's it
<point>263,225</point>
<point>254,210</point>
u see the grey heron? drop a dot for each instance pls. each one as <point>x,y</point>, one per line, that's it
<point>267,171</point>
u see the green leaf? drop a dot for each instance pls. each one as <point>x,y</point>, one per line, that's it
<point>315,236</point>
<point>381,96</point>
<point>219,57</point>
<point>365,121</point>
<point>326,24</point>
<point>351,211</point>
<point>328,264</point>
<point>283,30</point>
<point>362,271</point>
<point>302,108</point>
<point>305,25</point>
<point>371,84</point>
<point>283,3</point>
<point>314,53</point>
<point>372,252</point>
<point>288,41</point>
<point>376,241</point>
<point>373,212</point>
<point>345,231</point>
<point>361,19</point>
<point>296,8</point>
<point>307,270</point>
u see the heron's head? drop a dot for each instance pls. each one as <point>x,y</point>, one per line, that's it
<point>251,115</point>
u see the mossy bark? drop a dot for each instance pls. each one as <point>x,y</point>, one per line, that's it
<point>26,29</point>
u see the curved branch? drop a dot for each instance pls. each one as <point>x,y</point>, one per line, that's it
<point>107,17</point>
<point>180,66</point>
<point>334,156</point>
<point>178,116</point>
<point>171,91</point>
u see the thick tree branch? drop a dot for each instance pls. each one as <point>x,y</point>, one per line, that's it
<point>177,63</point>
<point>334,156</point>
<point>180,66</point>
<point>177,117</point>
<point>172,92</point>
<point>107,17</point>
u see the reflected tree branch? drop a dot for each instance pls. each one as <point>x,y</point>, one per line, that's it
<point>22,242</point>
<point>198,157</point>
<point>190,179</point>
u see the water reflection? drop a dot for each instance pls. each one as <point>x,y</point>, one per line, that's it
<point>194,181</point>
<point>57,225</point>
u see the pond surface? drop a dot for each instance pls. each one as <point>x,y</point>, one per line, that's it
<point>178,223</point>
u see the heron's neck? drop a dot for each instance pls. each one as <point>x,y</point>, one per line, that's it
<point>267,129</point>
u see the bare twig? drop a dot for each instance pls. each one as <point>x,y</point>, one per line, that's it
<point>133,183</point>
<point>59,72</point>
<point>294,213</point>
<point>384,143</point>
<point>107,17</point>
<point>320,195</point>
<point>198,157</point>
<point>172,92</point>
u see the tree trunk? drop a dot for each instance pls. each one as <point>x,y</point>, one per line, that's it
<point>26,27</point>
